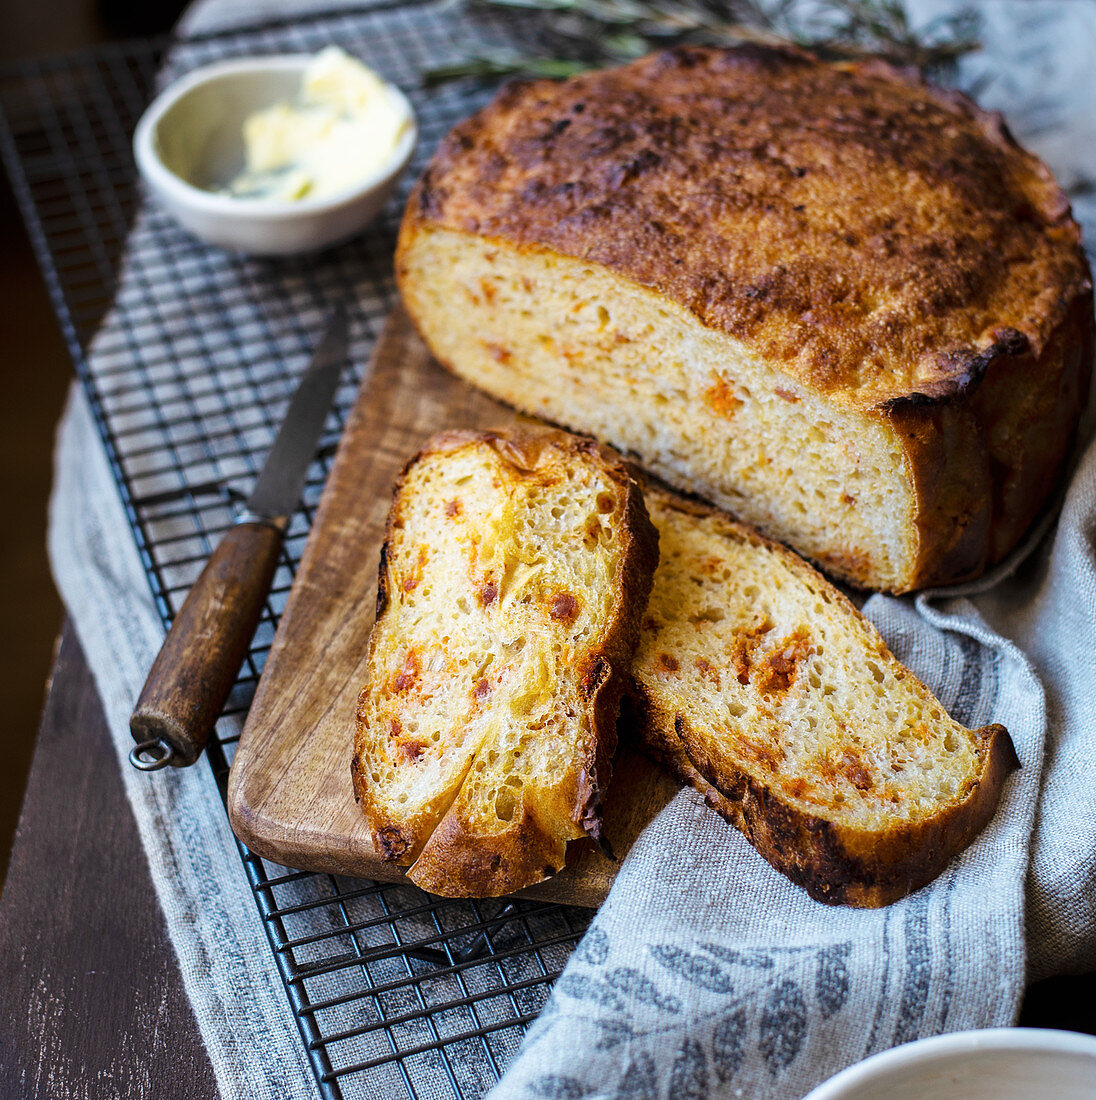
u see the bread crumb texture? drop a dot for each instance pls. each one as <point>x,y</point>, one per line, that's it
<point>500,612</point>
<point>762,685</point>
<point>629,366</point>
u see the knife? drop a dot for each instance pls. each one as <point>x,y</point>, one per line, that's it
<point>209,637</point>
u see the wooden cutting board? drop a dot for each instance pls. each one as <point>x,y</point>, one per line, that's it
<point>289,796</point>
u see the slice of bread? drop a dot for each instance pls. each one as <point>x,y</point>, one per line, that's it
<point>513,576</point>
<point>761,685</point>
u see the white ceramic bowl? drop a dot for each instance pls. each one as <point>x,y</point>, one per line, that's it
<point>190,139</point>
<point>1009,1063</point>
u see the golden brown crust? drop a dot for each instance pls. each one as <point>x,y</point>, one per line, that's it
<point>1028,408</point>
<point>460,863</point>
<point>983,468</point>
<point>837,864</point>
<point>455,858</point>
<point>883,242</point>
<point>874,235</point>
<point>952,481</point>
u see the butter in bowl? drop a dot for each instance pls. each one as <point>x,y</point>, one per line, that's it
<point>276,155</point>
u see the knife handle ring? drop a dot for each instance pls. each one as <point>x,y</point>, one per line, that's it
<point>151,756</point>
<point>278,523</point>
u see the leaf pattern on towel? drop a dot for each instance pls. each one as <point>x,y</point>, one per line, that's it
<point>783,1025</point>
<point>721,1006</point>
<point>629,980</point>
<point>553,1086</point>
<point>689,1075</point>
<point>758,959</point>
<point>640,1080</point>
<point>729,1044</point>
<point>590,989</point>
<point>613,1033</point>
<point>831,984</point>
<point>694,968</point>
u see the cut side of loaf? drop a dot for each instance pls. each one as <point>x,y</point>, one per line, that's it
<point>625,364</point>
<point>513,575</point>
<point>762,686</point>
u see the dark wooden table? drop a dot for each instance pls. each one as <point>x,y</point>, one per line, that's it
<point>91,1000</point>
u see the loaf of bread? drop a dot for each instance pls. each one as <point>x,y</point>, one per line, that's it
<point>513,576</point>
<point>761,685</point>
<point>841,304</point>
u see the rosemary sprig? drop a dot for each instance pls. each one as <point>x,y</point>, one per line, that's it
<point>584,34</point>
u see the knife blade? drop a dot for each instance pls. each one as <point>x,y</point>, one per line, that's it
<point>201,656</point>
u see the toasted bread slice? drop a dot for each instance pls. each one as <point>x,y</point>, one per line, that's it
<point>762,686</point>
<point>514,573</point>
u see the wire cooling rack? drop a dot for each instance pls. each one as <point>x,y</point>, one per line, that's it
<point>188,356</point>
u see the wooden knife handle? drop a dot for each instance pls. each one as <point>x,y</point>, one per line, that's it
<point>202,653</point>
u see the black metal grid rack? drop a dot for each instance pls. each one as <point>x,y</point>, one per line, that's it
<point>187,356</point>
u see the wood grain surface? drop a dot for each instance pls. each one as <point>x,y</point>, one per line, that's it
<point>290,795</point>
<point>92,1005</point>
